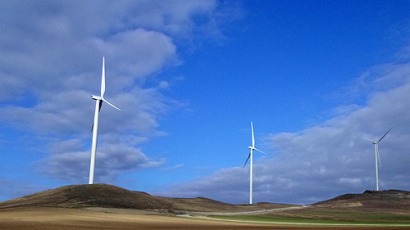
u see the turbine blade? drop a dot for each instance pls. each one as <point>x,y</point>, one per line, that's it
<point>115,107</point>
<point>369,140</point>
<point>253,136</point>
<point>103,78</point>
<point>384,135</point>
<point>100,105</point>
<point>259,151</point>
<point>247,159</point>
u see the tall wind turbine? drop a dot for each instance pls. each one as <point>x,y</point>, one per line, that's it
<point>98,104</point>
<point>377,157</point>
<point>250,159</point>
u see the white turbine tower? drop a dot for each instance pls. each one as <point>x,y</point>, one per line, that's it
<point>98,103</point>
<point>377,157</point>
<point>250,159</point>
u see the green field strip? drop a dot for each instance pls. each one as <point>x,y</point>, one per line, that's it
<point>382,220</point>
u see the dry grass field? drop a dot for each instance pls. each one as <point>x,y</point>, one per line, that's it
<point>70,218</point>
<point>110,207</point>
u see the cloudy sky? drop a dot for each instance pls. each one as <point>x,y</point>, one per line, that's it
<point>317,78</point>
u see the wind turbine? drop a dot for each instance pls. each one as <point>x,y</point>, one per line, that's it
<point>98,104</point>
<point>377,157</point>
<point>250,159</point>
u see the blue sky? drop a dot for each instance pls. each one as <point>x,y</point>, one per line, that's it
<point>315,77</point>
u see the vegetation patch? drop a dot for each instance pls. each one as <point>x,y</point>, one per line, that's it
<point>351,215</point>
<point>322,218</point>
<point>276,219</point>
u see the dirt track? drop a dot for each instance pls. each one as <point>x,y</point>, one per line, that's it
<point>63,218</point>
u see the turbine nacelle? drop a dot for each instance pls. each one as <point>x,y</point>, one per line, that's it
<point>96,97</point>
<point>101,99</point>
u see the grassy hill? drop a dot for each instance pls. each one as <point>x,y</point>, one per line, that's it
<point>373,208</point>
<point>110,207</point>
<point>388,200</point>
<point>98,195</point>
<point>109,196</point>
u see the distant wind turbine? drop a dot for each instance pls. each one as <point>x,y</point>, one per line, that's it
<point>377,157</point>
<point>250,159</point>
<point>98,104</point>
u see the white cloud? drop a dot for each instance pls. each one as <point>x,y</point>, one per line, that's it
<point>73,166</point>
<point>44,43</point>
<point>51,64</point>
<point>174,17</point>
<point>138,53</point>
<point>329,158</point>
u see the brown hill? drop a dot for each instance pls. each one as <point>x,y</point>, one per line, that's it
<point>96,195</point>
<point>109,196</point>
<point>371,200</point>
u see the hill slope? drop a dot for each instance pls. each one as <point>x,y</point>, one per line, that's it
<point>96,195</point>
<point>109,196</point>
<point>371,200</point>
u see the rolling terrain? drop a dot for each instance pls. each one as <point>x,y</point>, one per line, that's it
<point>372,208</point>
<point>389,200</point>
<point>109,196</point>
<point>102,206</point>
